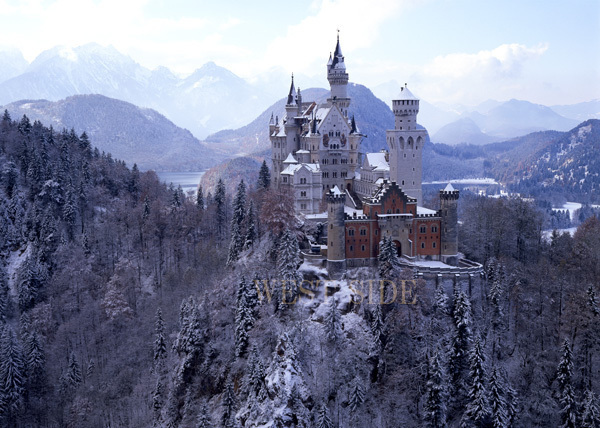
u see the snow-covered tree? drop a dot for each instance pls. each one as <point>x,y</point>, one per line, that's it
<point>190,338</point>
<point>323,419</point>
<point>204,420</point>
<point>160,344</point>
<point>436,393</point>
<point>333,322</point>
<point>238,237</point>
<point>73,375</point>
<point>35,358</point>
<point>288,262</point>
<point>228,403</point>
<point>264,176</point>
<point>200,198</point>
<point>593,301</point>
<point>12,375</point>
<point>220,202</point>
<point>357,394</point>
<point>566,394</point>
<point>387,260</point>
<point>497,399</point>
<point>250,227</point>
<point>244,319</point>
<point>477,410</point>
<point>590,412</point>
<point>157,401</point>
<point>461,340</point>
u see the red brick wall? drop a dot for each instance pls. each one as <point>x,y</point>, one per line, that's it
<point>428,238</point>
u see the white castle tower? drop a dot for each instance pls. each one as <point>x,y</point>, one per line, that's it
<point>406,145</point>
<point>338,79</point>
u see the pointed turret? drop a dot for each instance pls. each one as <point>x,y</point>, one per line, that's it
<point>292,95</point>
<point>338,79</point>
<point>272,120</point>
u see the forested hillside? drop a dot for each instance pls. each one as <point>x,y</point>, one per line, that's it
<point>124,304</point>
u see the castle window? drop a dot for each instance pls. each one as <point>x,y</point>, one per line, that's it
<point>376,232</point>
<point>285,179</point>
<point>433,244</point>
<point>404,154</point>
<point>423,229</point>
<point>363,232</point>
<point>422,244</point>
<point>362,248</point>
<point>303,194</point>
<point>350,232</point>
<point>303,181</point>
<point>403,180</point>
<point>351,248</point>
<point>334,174</point>
<point>434,229</point>
<point>302,206</point>
<point>400,128</point>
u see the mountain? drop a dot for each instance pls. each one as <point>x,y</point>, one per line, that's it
<point>465,131</point>
<point>133,134</point>
<point>372,115</point>
<point>569,165</point>
<point>12,64</point>
<point>579,111</point>
<point>210,99</point>
<point>516,117</point>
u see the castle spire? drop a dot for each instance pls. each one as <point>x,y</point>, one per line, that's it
<point>292,95</point>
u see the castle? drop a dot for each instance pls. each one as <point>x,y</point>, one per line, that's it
<point>316,154</point>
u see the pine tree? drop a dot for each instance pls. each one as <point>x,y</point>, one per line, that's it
<point>264,177</point>
<point>190,338</point>
<point>388,263</point>
<point>592,301</point>
<point>229,406</point>
<point>146,212</point>
<point>244,320</point>
<point>477,409</point>
<point>200,198</point>
<point>239,213</point>
<point>377,326</point>
<point>436,393</point>
<point>461,340</point>
<point>590,412</point>
<point>323,419</point>
<point>333,322</point>
<point>288,262</point>
<point>204,418</point>
<point>35,358</point>
<point>220,204</point>
<point>566,394</point>
<point>357,394</point>
<point>160,345</point>
<point>440,300</point>
<point>498,402</point>
<point>250,227</point>
<point>495,296</point>
<point>12,375</point>
<point>157,401</point>
<point>73,376</point>
<point>4,296</point>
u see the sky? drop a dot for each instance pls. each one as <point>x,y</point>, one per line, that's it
<point>448,51</point>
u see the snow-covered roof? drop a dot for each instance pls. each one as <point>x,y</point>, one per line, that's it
<point>377,161</point>
<point>322,113</point>
<point>449,188</point>
<point>405,94</point>
<point>351,211</point>
<point>291,169</point>
<point>281,131</point>
<point>302,151</point>
<point>290,159</point>
<point>336,191</point>
<point>425,211</point>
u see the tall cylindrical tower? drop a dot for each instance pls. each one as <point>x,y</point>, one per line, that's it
<point>449,233</point>
<point>336,233</point>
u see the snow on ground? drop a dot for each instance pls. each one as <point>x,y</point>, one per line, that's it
<point>483,180</point>
<point>571,207</point>
<point>15,260</point>
<point>431,264</point>
<point>547,234</point>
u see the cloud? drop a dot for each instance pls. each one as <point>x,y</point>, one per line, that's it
<point>472,78</point>
<point>359,22</point>
<point>504,61</point>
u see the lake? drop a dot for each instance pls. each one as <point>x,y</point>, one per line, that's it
<point>187,180</point>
